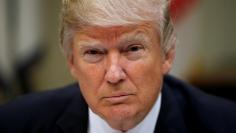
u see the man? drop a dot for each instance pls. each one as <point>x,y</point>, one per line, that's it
<point>120,52</point>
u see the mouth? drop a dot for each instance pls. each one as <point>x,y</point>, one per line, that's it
<point>118,98</point>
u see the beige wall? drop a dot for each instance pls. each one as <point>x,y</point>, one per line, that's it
<point>207,41</point>
<point>52,70</point>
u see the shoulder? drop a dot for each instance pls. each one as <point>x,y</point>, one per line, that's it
<point>49,98</point>
<point>38,107</point>
<point>193,95</point>
<point>214,113</point>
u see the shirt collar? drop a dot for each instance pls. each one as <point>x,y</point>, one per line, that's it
<point>98,125</point>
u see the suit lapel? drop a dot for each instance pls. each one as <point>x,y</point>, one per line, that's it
<point>75,117</point>
<point>171,119</point>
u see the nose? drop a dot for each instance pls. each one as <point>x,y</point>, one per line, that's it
<point>114,73</point>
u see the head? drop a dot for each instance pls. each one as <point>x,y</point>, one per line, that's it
<point>118,51</point>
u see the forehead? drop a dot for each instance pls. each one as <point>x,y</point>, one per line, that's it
<point>115,32</point>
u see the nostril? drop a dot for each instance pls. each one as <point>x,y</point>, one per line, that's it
<point>115,75</point>
<point>116,82</point>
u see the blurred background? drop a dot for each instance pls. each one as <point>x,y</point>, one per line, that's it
<point>31,60</point>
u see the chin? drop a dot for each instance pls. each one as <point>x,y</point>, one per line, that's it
<point>123,117</point>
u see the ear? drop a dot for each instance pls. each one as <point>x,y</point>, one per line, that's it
<point>168,60</point>
<point>72,66</point>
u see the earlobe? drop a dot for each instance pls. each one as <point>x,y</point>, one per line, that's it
<point>168,61</point>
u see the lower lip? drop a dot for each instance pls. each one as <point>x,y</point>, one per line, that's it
<point>117,99</point>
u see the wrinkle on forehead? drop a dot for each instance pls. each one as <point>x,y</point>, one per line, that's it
<point>114,33</point>
<point>103,33</point>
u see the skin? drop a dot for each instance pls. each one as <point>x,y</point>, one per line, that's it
<point>120,70</point>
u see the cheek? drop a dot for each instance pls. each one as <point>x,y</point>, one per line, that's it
<point>89,76</point>
<point>146,75</point>
<point>144,71</point>
<point>90,79</point>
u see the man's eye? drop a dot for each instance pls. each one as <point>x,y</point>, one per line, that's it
<point>134,52</point>
<point>134,48</point>
<point>93,55</point>
<point>92,52</point>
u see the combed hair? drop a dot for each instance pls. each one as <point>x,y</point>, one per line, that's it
<point>76,14</point>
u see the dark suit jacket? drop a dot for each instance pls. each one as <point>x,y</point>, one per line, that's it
<point>184,109</point>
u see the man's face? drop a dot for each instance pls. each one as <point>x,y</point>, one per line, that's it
<point>120,71</point>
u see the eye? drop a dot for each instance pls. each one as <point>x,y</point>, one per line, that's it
<point>134,51</point>
<point>134,48</point>
<point>93,55</point>
<point>93,52</point>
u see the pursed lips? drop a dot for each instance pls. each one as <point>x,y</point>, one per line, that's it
<point>117,98</point>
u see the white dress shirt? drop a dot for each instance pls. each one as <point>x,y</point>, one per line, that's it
<point>147,125</point>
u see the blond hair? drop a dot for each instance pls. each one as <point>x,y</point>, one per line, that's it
<point>78,13</point>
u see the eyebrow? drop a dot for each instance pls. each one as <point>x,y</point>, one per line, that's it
<point>88,44</point>
<point>139,37</point>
